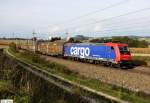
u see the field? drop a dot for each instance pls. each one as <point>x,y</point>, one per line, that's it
<point>3,46</point>
<point>6,42</point>
<point>140,50</point>
<point>146,39</point>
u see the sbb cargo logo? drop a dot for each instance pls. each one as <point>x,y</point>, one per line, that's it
<point>80,51</point>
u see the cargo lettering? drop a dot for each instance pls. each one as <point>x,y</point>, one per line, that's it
<point>80,51</point>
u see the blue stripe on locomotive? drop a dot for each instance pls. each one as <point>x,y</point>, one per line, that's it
<point>97,52</point>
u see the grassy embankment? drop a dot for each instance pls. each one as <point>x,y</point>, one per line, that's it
<point>61,70</point>
<point>7,90</point>
<point>22,86</point>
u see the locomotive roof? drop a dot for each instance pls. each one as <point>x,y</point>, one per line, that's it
<point>88,43</point>
<point>109,44</point>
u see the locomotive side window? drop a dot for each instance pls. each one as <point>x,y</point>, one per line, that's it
<point>112,48</point>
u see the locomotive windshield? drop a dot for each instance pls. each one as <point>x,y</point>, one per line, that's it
<point>124,50</point>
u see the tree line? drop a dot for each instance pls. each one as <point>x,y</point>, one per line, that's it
<point>132,42</point>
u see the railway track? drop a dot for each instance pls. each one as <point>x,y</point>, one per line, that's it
<point>145,72</point>
<point>115,76</point>
<point>133,79</point>
<point>136,69</point>
<point>92,96</point>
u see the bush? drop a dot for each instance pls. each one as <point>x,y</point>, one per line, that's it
<point>131,42</point>
<point>12,47</point>
<point>35,58</point>
<point>102,40</point>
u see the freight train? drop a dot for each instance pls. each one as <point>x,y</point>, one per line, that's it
<point>109,54</point>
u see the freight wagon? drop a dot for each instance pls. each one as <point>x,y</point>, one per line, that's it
<point>51,48</point>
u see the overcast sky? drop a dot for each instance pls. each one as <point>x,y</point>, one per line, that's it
<point>87,17</point>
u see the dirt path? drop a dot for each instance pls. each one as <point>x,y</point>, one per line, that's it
<point>131,80</point>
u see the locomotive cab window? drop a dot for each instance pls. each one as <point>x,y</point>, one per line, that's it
<point>124,50</point>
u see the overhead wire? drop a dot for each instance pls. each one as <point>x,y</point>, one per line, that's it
<point>128,27</point>
<point>110,18</point>
<point>91,13</point>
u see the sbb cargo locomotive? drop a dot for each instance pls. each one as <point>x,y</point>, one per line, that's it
<point>113,54</point>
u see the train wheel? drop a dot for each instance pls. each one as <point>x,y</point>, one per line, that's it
<point>116,65</point>
<point>90,61</point>
<point>124,66</point>
<point>94,61</point>
<point>111,64</point>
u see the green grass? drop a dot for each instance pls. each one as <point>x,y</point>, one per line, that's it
<point>5,85</point>
<point>61,70</point>
<point>7,92</point>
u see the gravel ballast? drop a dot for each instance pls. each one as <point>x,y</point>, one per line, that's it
<point>134,81</point>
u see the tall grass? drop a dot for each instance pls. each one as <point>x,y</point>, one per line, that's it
<point>141,60</point>
<point>12,47</point>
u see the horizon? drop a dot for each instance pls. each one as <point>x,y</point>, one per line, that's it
<point>76,36</point>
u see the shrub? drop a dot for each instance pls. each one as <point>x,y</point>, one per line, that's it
<point>132,42</point>
<point>34,58</point>
<point>12,47</point>
<point>102,40</point>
